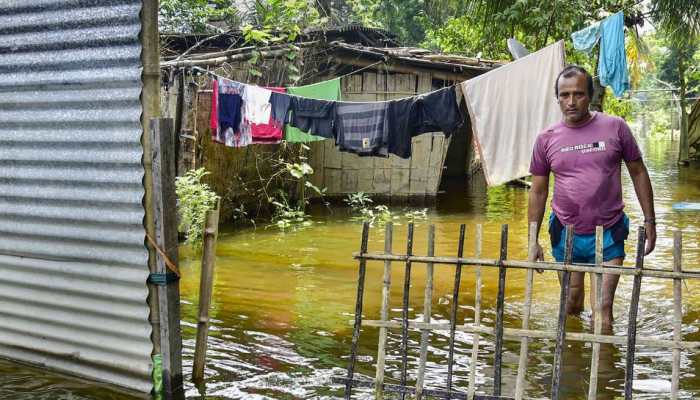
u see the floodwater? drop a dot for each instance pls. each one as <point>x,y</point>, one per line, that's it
<point>283,302</point>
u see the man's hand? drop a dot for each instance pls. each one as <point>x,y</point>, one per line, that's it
<point>538,254</point>
<point>650,230</point>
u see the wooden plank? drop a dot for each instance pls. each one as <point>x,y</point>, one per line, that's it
<point>634,308</point>
<point>365,180</point>
<point>677,312</point>
<point>353,161</point>
<point>561,324</point>
<point>597,292</point>
<point>206,286</point>
<point>404,309</point>
<point>400,181</point>
<point>424,82</point>
<point>316,159</point>
<point>527,307</point>
<point>349,181</point>
<point>165,236</point>
<point>454,308</point>
<point>498,350</point>
<point>419,181</point>
<point>477,315</point>
<point>332,157</point>
<point>358,312</point>
<point>427,312</point>
<point>333,181</point>
<point>384,312</point>
<point>382,181</point>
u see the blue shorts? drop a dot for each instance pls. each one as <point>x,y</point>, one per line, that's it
<point>584,245</point>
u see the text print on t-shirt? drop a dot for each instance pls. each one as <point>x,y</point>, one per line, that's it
<point>585,148</point>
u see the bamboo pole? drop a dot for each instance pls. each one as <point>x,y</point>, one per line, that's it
<point>527,306</point>
<point>561,324</point>
<point>545,266</point>
<point>597,292</point>
<point>477,316</point>
<point>455,307</point>
<point>358,312</point>
<point>632,322</point>
<point>206,286</point>
<point>498,351</point>
<point>516,334</point>
<point>384,313</point>
<point>212,62</point>
<point>677,313</point>
<point>404,314</point>
<point>427,311</point>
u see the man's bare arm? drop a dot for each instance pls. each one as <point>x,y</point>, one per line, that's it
<point>536,203</point>
<point>645,195</point>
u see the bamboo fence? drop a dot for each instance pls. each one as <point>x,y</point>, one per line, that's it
<point>524,335</point>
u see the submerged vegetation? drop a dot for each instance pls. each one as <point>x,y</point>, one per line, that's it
<point>194,198</point>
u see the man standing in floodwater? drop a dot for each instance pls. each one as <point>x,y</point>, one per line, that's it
<point>585,152</point>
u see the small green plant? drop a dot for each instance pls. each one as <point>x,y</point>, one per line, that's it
<point>286,215</point>
<point>361,204</point>
<point>358,201</point>
<point>415,215</point>
<point>195,198</point>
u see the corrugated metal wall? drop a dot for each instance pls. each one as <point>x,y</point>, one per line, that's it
<point>73,265</point>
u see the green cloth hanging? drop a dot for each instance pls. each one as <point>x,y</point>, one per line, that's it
<point>326,90</point>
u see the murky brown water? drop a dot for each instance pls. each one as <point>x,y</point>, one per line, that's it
<point>283,301</point>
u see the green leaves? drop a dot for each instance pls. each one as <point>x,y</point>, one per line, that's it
<point>194,200</point>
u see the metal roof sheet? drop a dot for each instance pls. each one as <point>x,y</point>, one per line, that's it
<point>73,265</point>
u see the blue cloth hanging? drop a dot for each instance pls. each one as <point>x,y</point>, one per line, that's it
<point>612,64</point>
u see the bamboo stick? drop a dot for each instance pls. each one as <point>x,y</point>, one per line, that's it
<point>206,285</point>
<point>406,292</point>
<point>498,351</point>
<point>384,312</point>
<point>454,308</point>
<point>477,317</point>
<point>561,325</point>
<point>545,266</point>
<point>632,322</point>
<point>527,306</point>
<point>516,334</point>
<point>677,313</point>
<point>214,61</point>
<point>358,312</point>
<point>597,292</point>
<point>427,311</point>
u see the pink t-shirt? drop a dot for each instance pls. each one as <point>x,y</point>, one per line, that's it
<point>586,163</point>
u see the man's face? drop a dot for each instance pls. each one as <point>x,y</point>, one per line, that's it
<point>573,98</point>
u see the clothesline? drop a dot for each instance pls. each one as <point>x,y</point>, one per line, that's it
<point>212,74</point>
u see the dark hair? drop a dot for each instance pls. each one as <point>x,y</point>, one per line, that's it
<point>570,71</point>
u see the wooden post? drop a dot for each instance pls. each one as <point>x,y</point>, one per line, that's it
<point>358,312</point>
<point>634,307</point>
<point>404,315</point>
<point>455,308</point>
<point>597,291</point>
<point>561,325</point>
<point>477,316</point>
<point>165,238</point>
<point>677,313</point>
<point>206,286</point>
<point>384,313</point>
<point>498,356</point>
<point>524,342</point>
<point>427,310</point>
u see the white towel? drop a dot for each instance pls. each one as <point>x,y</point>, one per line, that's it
<point>256,104</point>
<point>509,106</point>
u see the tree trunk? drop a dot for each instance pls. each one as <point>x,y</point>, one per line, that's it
<point>683,149</point>
<point>598,95</point>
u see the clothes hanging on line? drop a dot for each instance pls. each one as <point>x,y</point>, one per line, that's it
<point>326,90</point>
<point>509,106</point>
<point>612,59</point>
<point>432,112</point>
<point>271,131</point>
<point>256,104</point>
<point>225,121</point>
<point>313,116</point>
<point>362,128</point>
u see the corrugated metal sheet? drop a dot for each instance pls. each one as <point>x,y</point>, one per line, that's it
<point>73,265</point>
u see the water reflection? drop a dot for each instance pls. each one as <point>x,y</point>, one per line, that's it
<point>283,301</point>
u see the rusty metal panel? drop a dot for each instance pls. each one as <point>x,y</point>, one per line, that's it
<point>73,265</point>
